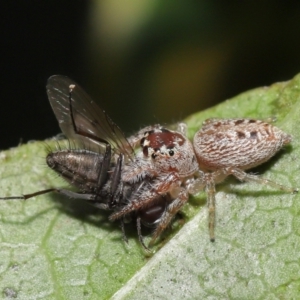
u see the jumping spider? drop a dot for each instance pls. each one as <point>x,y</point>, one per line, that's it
<point>222,147</point>
<point>150,175</point>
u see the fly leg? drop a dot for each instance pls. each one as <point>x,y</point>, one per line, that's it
<point>73,195</point>
<point>116,186</point>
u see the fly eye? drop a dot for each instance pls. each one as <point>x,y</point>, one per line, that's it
<point>171,152</point>
<point>153,155</point>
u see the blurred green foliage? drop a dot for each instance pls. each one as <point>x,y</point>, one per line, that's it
<point>160,61</point>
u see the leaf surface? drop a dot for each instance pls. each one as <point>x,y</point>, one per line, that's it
<point>56,248</point>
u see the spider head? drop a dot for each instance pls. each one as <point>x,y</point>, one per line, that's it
<point>169,151</point>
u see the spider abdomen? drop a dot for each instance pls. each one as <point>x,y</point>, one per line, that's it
<point>239,143</point>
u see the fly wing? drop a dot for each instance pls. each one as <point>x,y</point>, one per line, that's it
<point>84,121</point>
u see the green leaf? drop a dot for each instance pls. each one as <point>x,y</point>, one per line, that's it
<point>55,248</point>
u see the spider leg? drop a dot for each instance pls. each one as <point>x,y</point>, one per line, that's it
<point>170,212</point>
<point>208,181</point>
<point>211,204</point>
<point>182,128</point>
<point>243,176</point>
<point>147,196</point>
<point>212,178</point>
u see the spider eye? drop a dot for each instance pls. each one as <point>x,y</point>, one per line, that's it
<point>153,155</point>
<point>171,152</point>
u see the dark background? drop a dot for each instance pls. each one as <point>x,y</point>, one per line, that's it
<point>144,62</point>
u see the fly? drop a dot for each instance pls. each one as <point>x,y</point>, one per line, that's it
<point>95,169</point>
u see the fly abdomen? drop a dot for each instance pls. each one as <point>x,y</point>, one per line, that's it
<point>81,168</point>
